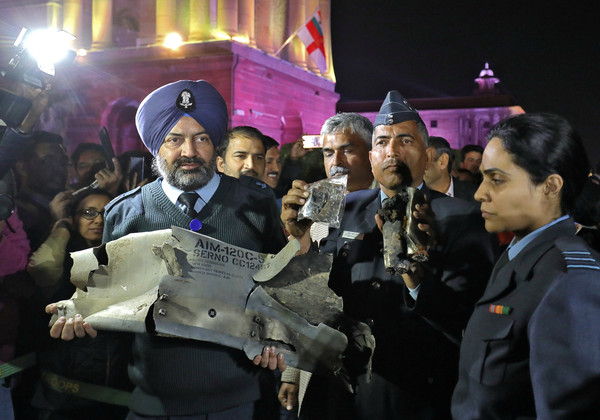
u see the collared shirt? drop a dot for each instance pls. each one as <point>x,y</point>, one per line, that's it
<point>374,184</point>
<point>450,191</point>
<point>515,247</point>
<point>205,192</point>
<point>383,195</point>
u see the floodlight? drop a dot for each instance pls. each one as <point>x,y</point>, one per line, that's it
<point>173,41</point>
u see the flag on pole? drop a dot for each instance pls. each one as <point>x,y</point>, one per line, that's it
<point>311,35</point>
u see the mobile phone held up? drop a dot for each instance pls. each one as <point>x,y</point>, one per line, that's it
<point>136,169</point>
<point>109,154</point>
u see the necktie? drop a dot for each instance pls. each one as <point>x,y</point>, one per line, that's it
<point>188,199</point>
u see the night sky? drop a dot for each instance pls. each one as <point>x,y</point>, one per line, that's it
<point>547,58</point>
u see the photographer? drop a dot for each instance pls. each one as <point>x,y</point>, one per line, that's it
<point>13,139</point>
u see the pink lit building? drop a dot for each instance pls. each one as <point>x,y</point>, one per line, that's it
<point>460,120</point>
<point>234,44</point>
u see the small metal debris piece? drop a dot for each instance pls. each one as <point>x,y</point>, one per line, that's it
<point>403,241</point>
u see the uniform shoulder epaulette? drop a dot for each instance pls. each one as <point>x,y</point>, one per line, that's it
<point>256,184</point>
<point>576,253</point>
<point>119,198</point>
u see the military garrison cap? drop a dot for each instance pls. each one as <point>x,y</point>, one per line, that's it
<point>396,109</point>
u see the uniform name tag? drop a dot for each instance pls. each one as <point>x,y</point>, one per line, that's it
<point>352,235</point>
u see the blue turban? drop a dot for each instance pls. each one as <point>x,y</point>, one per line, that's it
<point>160,111</point>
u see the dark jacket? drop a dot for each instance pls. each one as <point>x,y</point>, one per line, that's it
<point>186,377</point>
<point>413,360</point>
<point>463,189</point>
<point>537,318</point>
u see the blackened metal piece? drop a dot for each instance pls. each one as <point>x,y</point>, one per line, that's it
<point>403,241</point>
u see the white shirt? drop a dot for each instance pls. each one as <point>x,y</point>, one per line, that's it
<point>450,191</point>
<point>205,193</point>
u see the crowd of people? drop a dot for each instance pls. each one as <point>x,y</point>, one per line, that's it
<point>499,322</point>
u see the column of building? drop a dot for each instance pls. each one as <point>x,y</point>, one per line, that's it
<point>246,19</point>
<point>73,21</point>
<point>166,18</point>
<point>262,26</point>
<point>263,22</point>
<point>199,21</point>
<point>227,16</point>
<point>147,22</point>
<point>101,24</point>
<point>296,52</point>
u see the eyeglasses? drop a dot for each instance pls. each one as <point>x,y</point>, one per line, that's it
<point>90,213</point>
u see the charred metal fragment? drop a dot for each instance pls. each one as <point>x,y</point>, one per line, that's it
<point>403,241</point>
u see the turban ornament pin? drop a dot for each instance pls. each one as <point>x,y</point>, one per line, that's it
<point>185,100</point>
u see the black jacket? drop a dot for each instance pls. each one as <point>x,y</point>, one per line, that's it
<point>413,360</point>
<point>537,318</point>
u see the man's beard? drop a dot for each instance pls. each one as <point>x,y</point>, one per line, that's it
<point>186,179</point>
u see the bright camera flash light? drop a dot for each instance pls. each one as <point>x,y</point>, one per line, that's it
<point>48,47</point>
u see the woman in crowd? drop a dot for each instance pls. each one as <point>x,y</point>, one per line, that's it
<point>531,348</point>
<point>86,363</point>
<point>82,229</point>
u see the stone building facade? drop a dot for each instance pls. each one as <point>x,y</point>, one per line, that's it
<point>230,43</point>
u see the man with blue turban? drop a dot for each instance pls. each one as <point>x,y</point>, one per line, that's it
<point>181,124</point>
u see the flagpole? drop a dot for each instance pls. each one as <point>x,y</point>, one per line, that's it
<point>287,41</point>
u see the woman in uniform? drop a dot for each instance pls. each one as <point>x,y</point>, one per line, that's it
<point>531,348</point>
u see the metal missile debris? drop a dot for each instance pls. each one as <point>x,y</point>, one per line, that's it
<point>325,202</point>
<point>179,283</point>
<point>403,241</point>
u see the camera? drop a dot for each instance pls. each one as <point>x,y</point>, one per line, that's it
<point>37,53</point>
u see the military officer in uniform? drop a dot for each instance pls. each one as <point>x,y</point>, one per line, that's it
<point>531,348</point>
<point>181,124</point>
<point>414,364</point>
